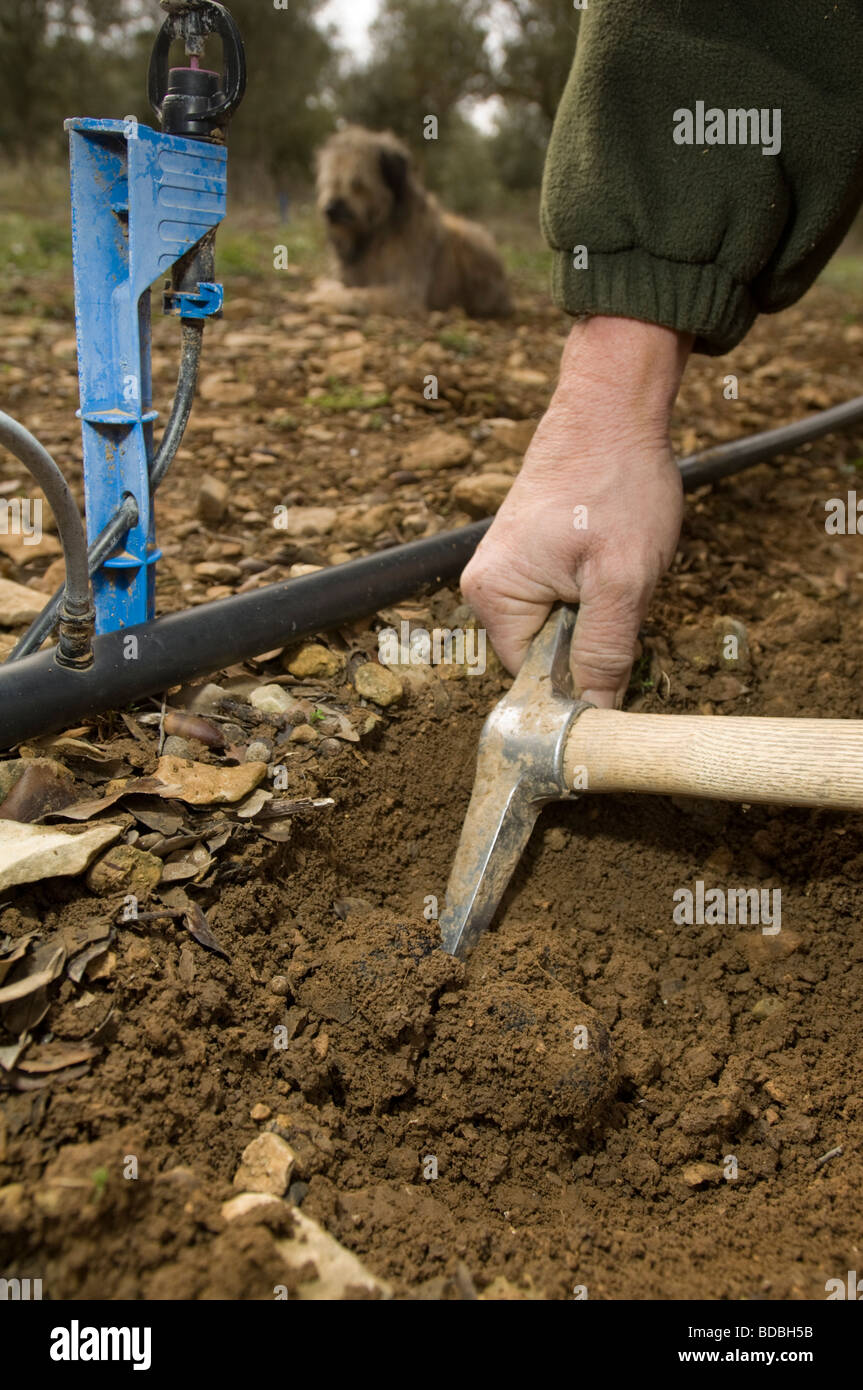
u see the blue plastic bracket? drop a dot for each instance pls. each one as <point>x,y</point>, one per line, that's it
<point>184,304</point>
<point>140,201</point>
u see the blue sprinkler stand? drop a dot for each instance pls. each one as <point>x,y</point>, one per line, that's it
<point>140,201</point>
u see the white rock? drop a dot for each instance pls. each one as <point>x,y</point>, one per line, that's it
<point>272,699</point>
<point>248,1201</point>
<point>266,1167</point>
<point>207,699</point>
<point>378,683</point>
<point>29,853</point>
<point>337,1273</point>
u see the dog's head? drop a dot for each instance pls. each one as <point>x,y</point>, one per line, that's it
<point>364,181</point>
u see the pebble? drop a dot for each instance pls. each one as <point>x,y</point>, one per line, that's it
<point>482,494</point>
<point>377,683</point>
<point>310,521</point>
<point>221,389</point>
<point>260,1112</point>
<point>555,838</point>
<point>218,570</point>
<point>272,699</point>
<point>304,733</point>
<point>437,449</point>
<point>297,571</point>
<point>766,1007</point>
<point>125,869</point>
<point>699,1174</point>
<point>206,700</point>
<point>314,659</point>
<point>365,522</point>
<point>18,604</point>
<point>266,1167</point>
<point>724,628</point>
<point>212,498</point>
<point>176,747</point>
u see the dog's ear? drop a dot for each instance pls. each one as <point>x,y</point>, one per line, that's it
<point>394,171</point>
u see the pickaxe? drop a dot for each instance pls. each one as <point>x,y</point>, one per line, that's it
<point>540,744</point>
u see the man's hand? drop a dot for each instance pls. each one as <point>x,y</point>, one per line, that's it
<point>594,515</point>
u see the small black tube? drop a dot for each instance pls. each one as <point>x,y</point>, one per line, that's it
<point>725,459</point>
<point>38,696</point>
<point>184,399</point>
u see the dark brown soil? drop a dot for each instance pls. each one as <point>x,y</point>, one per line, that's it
<point>373,1053</point>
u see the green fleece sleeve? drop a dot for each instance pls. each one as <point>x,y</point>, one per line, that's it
<point>676,226</point>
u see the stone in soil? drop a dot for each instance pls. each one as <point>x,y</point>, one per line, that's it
<point>378,683</point>
<point>314,659</point>
<point>212,499</point>
<point>266,1167</point>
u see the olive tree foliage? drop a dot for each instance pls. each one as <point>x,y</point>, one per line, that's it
<point>62,58</point>
<point>438,59</point>
<point>425,59</point>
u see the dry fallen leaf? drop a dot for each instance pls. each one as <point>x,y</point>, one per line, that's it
<point>198,927</point>
<point>254,803</point>
<point>78,965</point>
<point>50,1060</point>
<point>185,867</point>
<point>10,954</point>
<point>136,786</point>
<point>9,1055</point>
<point>42,787</point>
<point>25,1001</point>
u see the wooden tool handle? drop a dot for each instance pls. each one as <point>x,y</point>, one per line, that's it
<point>792,762</point>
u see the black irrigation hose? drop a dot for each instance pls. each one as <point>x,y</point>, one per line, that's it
<point>37,695</point>
<point>126,514</point>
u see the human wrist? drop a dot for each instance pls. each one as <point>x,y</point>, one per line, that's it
<point>621,375</point>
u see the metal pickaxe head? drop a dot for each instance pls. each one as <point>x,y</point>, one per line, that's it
<point>520,767</point>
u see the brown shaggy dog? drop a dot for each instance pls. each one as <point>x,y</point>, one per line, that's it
<point>396,250</point>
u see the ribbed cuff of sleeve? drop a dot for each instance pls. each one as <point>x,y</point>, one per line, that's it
<point>698,299</point>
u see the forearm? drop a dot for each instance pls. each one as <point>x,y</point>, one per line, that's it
<point>620,374</point>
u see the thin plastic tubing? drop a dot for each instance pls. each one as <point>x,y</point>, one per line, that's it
<point>27,450</point>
